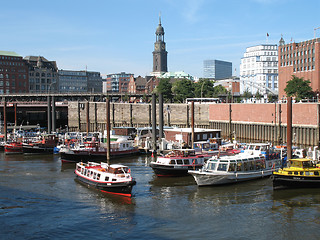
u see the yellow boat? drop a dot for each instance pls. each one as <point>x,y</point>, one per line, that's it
<point>300,172</point>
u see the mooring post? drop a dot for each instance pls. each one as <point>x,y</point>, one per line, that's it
<point>160,116</point>
<point>230,123</point>
<point>289,127</point>
<point>5,119</point>
<point>88,119</point>
<point>15,115</point>
<point>318,124</point>
<point>108,128</point>
<point>49,113</point>
<point>279,127</point>
<point>154,124</point>
<point>53,114</point>
<point>192,124</point>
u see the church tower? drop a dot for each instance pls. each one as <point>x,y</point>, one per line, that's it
<point>159,53</point>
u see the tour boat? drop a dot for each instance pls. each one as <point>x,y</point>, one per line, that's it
<point>13,148</point>
<point>234,168</point>
<point>177,163</point>
<point>96,151</point>
<point>45,145</point>
<point>300,172</point>
<point>114,178</point>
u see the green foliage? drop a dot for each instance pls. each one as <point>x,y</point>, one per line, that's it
<point>183,89</point>
<point>246,94</point>
<point>165,87</point>
<point>298,88</point>
<point>258,95</point>
<point>218,90</point>
<point>203,88</point>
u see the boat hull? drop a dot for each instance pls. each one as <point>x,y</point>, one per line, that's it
<point>122,188</point>
<point>281,181</point>
<point>85,156</point>
<point>37,150</point>
<point>12,149</point>
<point>203,178</point>
<point>172,171</point>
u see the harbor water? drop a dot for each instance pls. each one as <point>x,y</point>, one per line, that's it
<point>40,199</point>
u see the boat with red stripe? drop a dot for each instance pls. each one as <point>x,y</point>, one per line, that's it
<point>114,178</point>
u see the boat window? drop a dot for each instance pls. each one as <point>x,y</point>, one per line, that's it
<point>258,165</point>
<point>98,176</point>
<point>289,172</point>
<point>172,161</point>
<point>179,161</point>
<point>195,161</point>
<point>186,162</point>
<point>107,178</point>
<point>316,173</point>
<point>222,167</point>
<point>251,165</point>
<point>94,175</point>
<point>306,164</point>
<point>295,173</point>
<point>232,167</point>
<point>211,166</point>
<point>301,173</point>
<point>257,148</point>
<point>239,166</point>
<point>113,179</point>
<point>263,148</point>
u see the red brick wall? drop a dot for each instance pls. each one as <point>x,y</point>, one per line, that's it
<point>302,113</point>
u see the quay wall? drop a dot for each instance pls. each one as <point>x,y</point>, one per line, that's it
<point>256,122</point>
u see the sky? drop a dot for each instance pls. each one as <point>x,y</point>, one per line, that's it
<point>118,36</point>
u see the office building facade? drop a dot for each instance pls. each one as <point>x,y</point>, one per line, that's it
<point>217,69</point>
<point>14,77</point>
<point>300,59</point>
<point>259,70</point>
<point>118,82</point>
<point>43,74</point>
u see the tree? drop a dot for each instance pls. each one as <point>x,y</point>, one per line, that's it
<point>219,89</point>
<point>165,87</point>
<point>183,89</point>
<point>246,94</point>
<point>204,88</point>
<point>258,95</point>
<point>298,88</point>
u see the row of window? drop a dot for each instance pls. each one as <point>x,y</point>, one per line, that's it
<point>11,63</point>
<point>301,69</point>
<point>13,76</point>
<point>42,74</point>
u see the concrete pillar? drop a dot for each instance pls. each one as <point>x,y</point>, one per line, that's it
<point>154,123</point>
<point>108,129</point>
<point>5,131</point>
<point>160,116</point>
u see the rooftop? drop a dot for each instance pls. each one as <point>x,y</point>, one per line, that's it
<point>7,53</point>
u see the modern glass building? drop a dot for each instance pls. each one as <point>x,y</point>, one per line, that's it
<point>217,69</point>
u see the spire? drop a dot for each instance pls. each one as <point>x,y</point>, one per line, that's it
<point>281,42</point>
<point>160,18</point>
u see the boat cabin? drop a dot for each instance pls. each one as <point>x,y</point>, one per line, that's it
<point>235,163</point>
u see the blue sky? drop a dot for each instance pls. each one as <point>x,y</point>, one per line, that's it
<point>113,36</point>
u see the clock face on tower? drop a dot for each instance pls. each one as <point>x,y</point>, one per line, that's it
<point>156,47</point>
<point>163,47</point>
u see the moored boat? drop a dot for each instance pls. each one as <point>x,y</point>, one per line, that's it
<point>300,172</point>
<point>13,148</point>
<point>234,168</point>
<point>177,163</point>
<point>96,151</point>
<point>114,178</point>
<point>46,145</point>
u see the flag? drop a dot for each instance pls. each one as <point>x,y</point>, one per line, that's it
<point>267,34</point>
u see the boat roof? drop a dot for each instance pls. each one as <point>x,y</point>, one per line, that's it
<point>301,159</point>
<point>117,166</point>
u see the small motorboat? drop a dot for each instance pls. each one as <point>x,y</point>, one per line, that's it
<point>114,178</point>
<point>13,148</point>
<point>300,172</point>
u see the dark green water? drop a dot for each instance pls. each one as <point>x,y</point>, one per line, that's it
<point>39,199</point>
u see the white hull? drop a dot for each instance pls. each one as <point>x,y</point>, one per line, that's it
<point>204,178</point>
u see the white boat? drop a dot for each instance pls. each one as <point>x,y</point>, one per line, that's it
<point>177,163</point>
<point>114,178</point>
<point>234,168</point>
